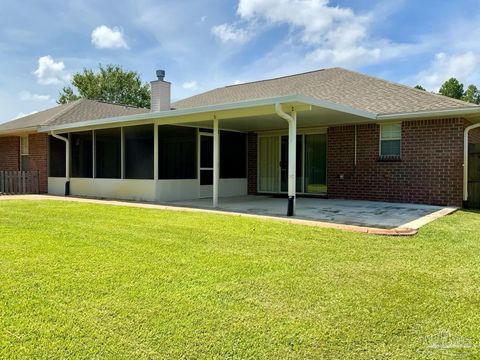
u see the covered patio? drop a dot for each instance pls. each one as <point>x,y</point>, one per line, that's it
<point>373,214</point>
<point>290,158</point>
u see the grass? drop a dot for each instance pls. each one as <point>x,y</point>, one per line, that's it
<point>95,281</point>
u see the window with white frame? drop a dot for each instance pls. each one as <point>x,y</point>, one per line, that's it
<point>390,140</point>
<point>24,153</point>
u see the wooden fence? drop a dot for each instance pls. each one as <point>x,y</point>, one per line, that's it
<point>18,182</point>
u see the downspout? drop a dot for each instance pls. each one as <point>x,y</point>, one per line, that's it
<point>292,148</point>
<point>465,161</point>
<point>67,161</point>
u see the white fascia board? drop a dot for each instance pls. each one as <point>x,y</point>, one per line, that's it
<point>212,109</point>
<point>21,131</point>
<point>431,113</point>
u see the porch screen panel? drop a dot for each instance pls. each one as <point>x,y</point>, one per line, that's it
<point>82,154</point>
<point>315,163</point>
<point>108,145</point>
<point>233,155</point>
<point>139,152</point>
<point>57,156</point>
<point>269,160</point>
<point>177,152</point>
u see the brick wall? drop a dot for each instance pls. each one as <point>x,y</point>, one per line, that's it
<point>10,153</point>
<point>252,163</point>
<point>430,170</point>
<point>38,158</point>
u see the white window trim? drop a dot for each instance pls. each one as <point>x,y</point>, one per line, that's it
<point>21,146</point>
<point>380,142</point>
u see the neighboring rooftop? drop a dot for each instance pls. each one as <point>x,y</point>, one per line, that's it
<point>337,85</point>
<point>78,110</point>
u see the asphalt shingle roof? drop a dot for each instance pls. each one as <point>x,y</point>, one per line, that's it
<point>78,110</point>
<point>337,85</point>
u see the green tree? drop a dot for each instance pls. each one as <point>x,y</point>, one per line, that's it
<point>110,84</point>
<point>472,95</point>
<point>452,88</point>
<point>66,95</point>
<point>420,87</point>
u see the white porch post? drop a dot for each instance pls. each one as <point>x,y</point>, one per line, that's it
<point>216,161</point>
<point>155,152</point>
<point>292,166</point>
<point>292,154</point>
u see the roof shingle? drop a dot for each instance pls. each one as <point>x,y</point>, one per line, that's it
<point>337,85</point>
<point>78,110</point>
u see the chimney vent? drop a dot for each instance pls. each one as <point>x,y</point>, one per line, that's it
<point>160,93</point>
<point>161,74</point>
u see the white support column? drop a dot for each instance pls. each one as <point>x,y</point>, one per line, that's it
<point>292,158</point>
<point>216,160</point>
<point>122,153</point>
<point>155,152</point>
<point>94,155</point>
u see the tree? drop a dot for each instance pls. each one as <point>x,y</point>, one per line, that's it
<point>110,84</point>
<point>472,95</point>
<point>420,87</point>
<point>452,88</point>
<point>67,95</point>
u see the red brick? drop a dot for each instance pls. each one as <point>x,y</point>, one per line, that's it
<point>10,153</point>
<point>430,170</point>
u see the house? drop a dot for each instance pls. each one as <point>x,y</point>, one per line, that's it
<point>331,132</point>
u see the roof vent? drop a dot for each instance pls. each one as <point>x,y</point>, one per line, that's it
<point>161,74</point>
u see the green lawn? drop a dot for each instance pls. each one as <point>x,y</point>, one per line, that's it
<point>95,281</point>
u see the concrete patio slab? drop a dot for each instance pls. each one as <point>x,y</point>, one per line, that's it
<point>375,214</point>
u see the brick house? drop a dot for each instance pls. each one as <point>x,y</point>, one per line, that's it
<point>331,132</point>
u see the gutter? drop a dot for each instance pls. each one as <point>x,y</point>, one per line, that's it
<point>292,148</point>
<point>67,161</point>
<point>465,161</point>
<point>472,110</point>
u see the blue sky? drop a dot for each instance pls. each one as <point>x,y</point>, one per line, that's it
<point>204,44</point>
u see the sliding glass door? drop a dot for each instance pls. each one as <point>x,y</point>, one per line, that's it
<point>315,163</point>
<point>269,163</point>
<point>311,163</point>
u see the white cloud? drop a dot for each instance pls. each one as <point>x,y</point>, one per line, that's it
<point>462,66</point>
<point>230,33</point>
<point>320,33</point>
<point>28,96</point>
<point>190,85</point>
<point>104,37</point>
<point>50,72</point>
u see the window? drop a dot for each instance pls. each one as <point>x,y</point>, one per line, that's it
<point>233,155</point>
<point>390,140</point>
<point>177,152</point>
<point>108,161</point>
<point>139,152</point>
<point>82,154</point>
<point>57,156</point>
<point>24,153</point>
